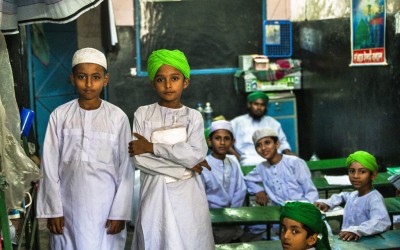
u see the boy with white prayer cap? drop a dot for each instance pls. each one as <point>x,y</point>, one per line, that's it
<point>224,185</point>
<point>87,184</point>
<point>284,177</point>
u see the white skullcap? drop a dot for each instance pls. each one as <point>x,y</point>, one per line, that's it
<point>89,55</point>
<point>261,133</point>
<point>221,124</point>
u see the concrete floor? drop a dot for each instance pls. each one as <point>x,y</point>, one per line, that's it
<point>44,236</point>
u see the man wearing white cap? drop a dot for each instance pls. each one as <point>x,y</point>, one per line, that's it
<point>87,184</point>
<point>224,185</point>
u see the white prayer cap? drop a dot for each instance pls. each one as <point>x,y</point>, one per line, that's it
<point>89,55</point>
<point>221,124</point>
<point>261,133</point>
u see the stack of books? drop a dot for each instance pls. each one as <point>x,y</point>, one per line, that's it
<point>393,170</point>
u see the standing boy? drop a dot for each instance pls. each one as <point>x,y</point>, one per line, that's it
<point>87,184</point>
<point>224,185</point>
<point>169,149</point>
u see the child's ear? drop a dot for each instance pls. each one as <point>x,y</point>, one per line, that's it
<point>278,144</point>
<point>312,240</point>
<point>186,83</point>
<point>106,79</point>
<point>71,79</point>
<point>373,175</point>
<point>209,142</point>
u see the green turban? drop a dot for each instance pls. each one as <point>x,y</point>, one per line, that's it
<point>257,95</point>
<point>174,58</point>
<point>367,160</point>
<point>309,215</point>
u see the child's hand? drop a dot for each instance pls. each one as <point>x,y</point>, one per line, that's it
<point>348,236</point>
<point>322,206</point>
<point>140,146</point>
<point>56,225</point>
<point>261,198</point>
<point>115,226</point>
<point>198,168</point>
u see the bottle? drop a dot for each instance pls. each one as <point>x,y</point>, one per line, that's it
<point>208,115</point>
<point>314,157</point>
<point>200,109</point>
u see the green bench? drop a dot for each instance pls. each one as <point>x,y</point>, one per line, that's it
<point>270,214</point>
<point>320,165</point>
<point>386,240</point>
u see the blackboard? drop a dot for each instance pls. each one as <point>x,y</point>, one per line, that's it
<point>211,33</point>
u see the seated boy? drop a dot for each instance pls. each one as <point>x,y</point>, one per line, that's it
<point>365,212</point>
<point>302,227</point>
<point>284,177</point>
<point>224,185</point>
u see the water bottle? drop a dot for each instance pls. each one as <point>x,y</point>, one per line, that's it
<point>200,109</point>
<point>208,115</point>
<point>314,157</point>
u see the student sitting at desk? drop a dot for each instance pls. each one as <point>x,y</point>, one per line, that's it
<point>224,185</point>
<point>302,227</point>
<point>284,177</point>
<point>365,212</point>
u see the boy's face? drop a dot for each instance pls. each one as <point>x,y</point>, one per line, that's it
<point>169,83</point>
<point>89,80</point>
<point>257,108</point>
<point>267,148</point>
<point>360,177</point>
<point>294,237</point>
<point>220,142</point>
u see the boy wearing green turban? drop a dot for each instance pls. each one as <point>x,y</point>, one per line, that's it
<point>169,149</point>
<point>302,227</point>
<point>365,212</point>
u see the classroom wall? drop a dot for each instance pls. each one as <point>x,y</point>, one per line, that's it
<point>340,108</point>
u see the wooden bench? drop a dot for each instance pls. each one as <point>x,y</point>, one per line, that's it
<point>270,214</point>
<point>320,165</point>
<point>386,240</point>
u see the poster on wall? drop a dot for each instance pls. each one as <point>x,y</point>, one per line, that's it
<point>368,21</point>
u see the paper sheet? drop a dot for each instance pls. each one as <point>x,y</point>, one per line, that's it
<point>336,211</point>
<point>338,180</point>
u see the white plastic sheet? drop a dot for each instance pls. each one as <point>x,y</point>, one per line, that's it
<point>17,168</point>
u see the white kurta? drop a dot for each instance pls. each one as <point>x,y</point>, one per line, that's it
<point>288,180</point>
<point>365,215</point>
<point>175,215</point>
<point>243,128</point>
<point>224,185</point>
<point>88,175</point>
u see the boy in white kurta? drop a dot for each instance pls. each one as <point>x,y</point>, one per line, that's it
<point>224,185</point>
<point>365,212</point>
<point>87,180</point>
<point>284,177</point>
<point>169,149</point>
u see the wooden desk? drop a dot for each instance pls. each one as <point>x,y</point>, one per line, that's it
<point>246,216</point>
<point>321,184</point>
<point>320,165</point>
<point>327,164</point>
<point>386,240</point>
